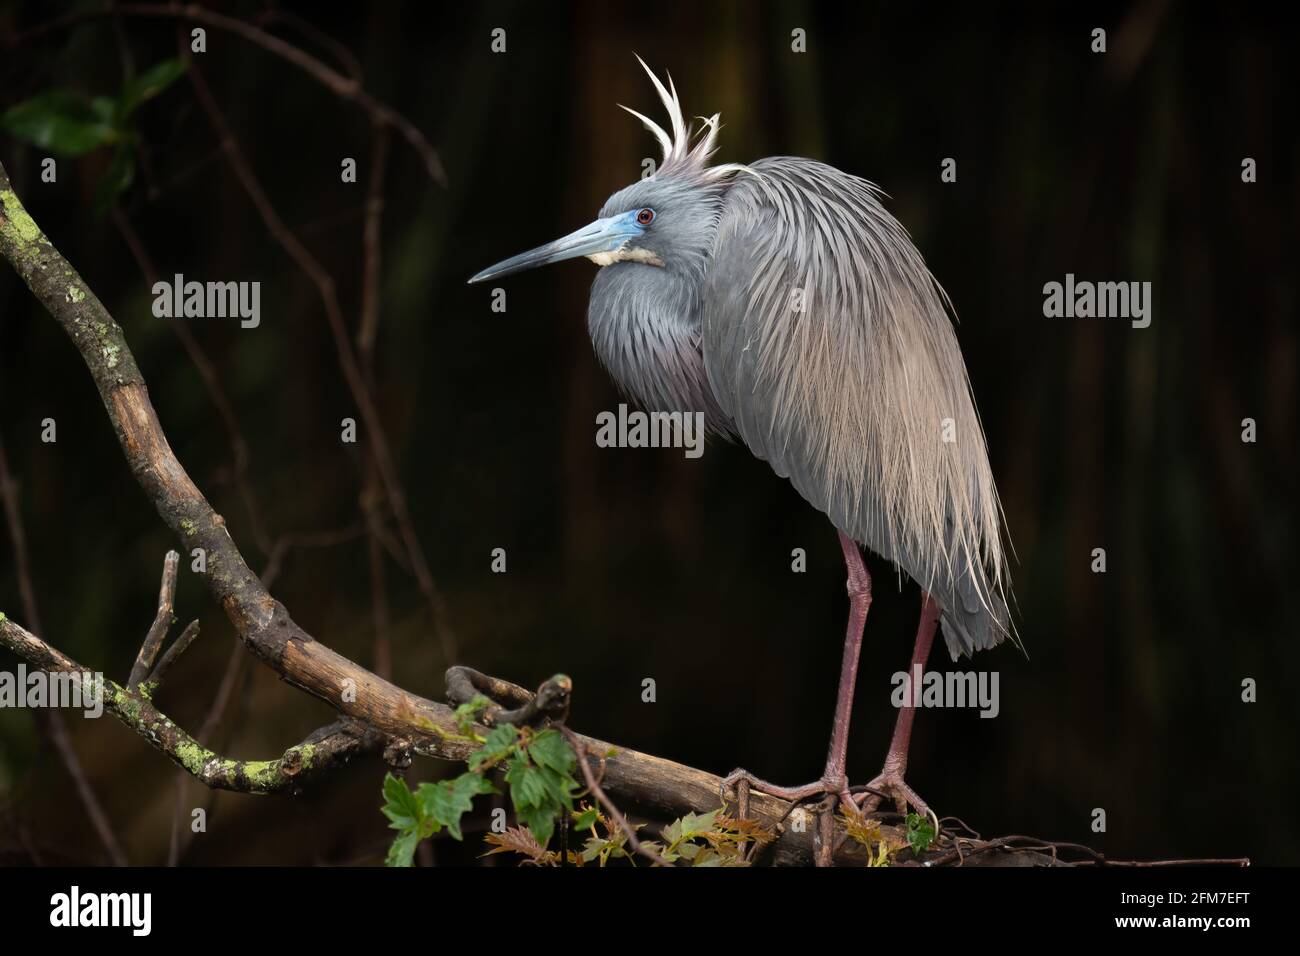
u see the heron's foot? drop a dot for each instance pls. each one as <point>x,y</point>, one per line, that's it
<point>890,784</point>
<point>837,787</point>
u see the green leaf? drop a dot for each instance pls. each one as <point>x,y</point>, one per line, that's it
<point>402,852</point>
<point>550,749</point>
<point>540,820</point>
<point>499,743</point>
<point>528,786</point>
<point>920,833</point>
<point>448,800</point>
<point>594,847</point>
<point>62,122</point>
<point>116,180</point>
<point>693,825</point>
<point>104,109</point>
<point>559,788</point>
<point>150,83</point>
<point>586,819</point>
<point>401,806</point>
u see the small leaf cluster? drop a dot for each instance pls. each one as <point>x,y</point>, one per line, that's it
<point>866,832</point>
<point>705,839</point>
<point>710,839</point>
<point>538,768</point>
<point>68,123</point>
<point>425,811</point>
<point>920,833</point>
<point>605,841</point>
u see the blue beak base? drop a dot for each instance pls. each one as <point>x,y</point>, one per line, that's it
<point>603,235</point>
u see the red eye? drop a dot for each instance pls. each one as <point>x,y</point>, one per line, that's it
<point>645,216</point>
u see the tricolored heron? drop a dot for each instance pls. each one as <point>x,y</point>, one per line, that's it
<point>784,302</point>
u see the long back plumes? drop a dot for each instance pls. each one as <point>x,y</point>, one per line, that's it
<point>860,395</point>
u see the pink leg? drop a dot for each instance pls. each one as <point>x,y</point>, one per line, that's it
<point>833,780</point>
<point>859,590</point>
<point>890,780</point>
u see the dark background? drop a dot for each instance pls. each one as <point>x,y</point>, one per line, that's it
<point>628,564</point>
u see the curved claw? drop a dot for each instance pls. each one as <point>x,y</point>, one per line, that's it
<point>893,785</point>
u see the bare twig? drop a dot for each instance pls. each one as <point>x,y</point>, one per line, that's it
<point>304,539</point>
<point>231,677</point>
<point>346,88</point>
<point>367,332</point>
<point>352,375</point>
<point>347,59</point>
<point>580,749</point>
<point>161,622</point>
<point>170,657</point>
<point>51,721</point>
<point>327,748</point>
<point>18,539</point>
<point>211,383</point>
<point>372,249</point>
<point>1225,861</point>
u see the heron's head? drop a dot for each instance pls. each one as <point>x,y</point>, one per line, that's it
<point>665,221</point>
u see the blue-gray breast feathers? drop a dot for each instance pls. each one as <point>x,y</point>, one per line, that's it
<point>827,343</point>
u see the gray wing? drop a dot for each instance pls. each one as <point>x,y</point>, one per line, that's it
<point>826,341</point>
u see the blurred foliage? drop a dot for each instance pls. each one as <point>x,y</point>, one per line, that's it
<point>67,123</point>
<point>628,565</point>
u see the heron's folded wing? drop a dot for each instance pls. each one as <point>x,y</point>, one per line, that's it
<point>827,343</point>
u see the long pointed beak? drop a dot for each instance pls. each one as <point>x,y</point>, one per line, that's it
<point>603,235</point>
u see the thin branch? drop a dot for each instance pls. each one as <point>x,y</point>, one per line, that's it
<point>18,540</point>
<point>169,658</point>
<point>380,615</point>
<point>347,59</point>
<point>352,374</point>
<point>325,749</point>
<point>211,383</point>
<point>304,539</point>
<point>367,332</point>
<point>372,250</point>
<point>580,749</point>
<point>161,623</point>
<point>1224,861</point>
<point>342,86</point>
<point>231,677</point>
<point>51,721</point>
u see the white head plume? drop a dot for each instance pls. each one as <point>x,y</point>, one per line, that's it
<point>680,157</point>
